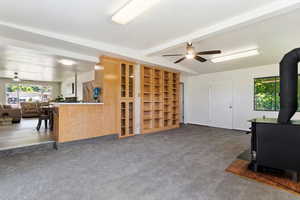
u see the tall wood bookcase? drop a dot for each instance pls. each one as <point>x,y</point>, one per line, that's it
<point>159,99</point>
<point>119,94</point>
<point>127,99</point>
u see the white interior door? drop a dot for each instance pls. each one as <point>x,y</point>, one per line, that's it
<point>221,104</point>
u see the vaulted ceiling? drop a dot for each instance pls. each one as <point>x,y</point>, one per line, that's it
<point>84,30</point>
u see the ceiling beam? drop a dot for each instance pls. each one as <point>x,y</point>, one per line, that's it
<point>46,49</point>
<point>100,47</point>
<point>273,9</point>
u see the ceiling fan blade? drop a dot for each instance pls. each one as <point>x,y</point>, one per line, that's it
<point>173,55</point>
<point>178,61</point>
<point>209,52</point>
<point>200,59</point>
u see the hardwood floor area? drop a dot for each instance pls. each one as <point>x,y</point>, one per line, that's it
<point>23,134</point>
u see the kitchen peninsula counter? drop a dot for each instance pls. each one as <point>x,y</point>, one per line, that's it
<point>77,121</point>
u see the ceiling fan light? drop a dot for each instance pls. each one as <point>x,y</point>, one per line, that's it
<point>190,50</point>
<point>16,79</point>
<point>190,56</point>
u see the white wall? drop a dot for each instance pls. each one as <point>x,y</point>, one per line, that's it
<point>197,91</point>
<point>4,81</point>
<point>66,85</point>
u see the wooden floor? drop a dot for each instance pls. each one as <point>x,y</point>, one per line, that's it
<point>240,167</point>
<point>23,134</point>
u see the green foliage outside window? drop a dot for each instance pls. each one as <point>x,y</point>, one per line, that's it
<point>266,94</point>
<point>26,88</point>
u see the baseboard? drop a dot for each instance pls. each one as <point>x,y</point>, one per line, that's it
<point>206,125</point>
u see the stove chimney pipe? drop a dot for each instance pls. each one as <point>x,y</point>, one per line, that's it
<point>288,86</point>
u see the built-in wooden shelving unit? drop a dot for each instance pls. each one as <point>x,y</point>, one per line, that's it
<point>127,99</point>
<point>160,99</point>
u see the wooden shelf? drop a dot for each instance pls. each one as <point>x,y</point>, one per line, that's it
<point>161,86</point>
<point>127,99</point>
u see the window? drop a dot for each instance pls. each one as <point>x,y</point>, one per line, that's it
<point>266,94</point>
<point>16,93</point>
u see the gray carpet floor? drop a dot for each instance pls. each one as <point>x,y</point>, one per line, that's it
<point>184,164</point>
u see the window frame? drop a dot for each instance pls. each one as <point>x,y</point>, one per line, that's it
<point>254,94</point>
<point>28,85</point>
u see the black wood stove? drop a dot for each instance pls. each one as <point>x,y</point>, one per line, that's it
<point>275,143</point>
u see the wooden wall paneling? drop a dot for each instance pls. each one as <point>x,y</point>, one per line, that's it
<point>111,94</point>
<point>55,134</point>
<point>76,122</point>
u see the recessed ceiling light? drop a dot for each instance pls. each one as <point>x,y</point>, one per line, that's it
<point>98,67</point>
<point>132,9</point>
<point>67,62</point>
<point>235,56</point>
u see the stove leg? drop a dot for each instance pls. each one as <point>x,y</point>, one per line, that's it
<point>253,166</point>
<point>295,176</point>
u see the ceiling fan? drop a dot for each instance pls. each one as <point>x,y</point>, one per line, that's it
<point>192,54</point>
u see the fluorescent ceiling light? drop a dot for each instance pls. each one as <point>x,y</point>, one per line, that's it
<point>67,62</point>
<point>236,56</point>
<point>132,9</point>
<point>98,67</point>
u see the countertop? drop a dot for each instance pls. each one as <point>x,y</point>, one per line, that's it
<point>58,104</point>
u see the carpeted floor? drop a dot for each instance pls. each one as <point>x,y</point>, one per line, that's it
<point>184,164</point>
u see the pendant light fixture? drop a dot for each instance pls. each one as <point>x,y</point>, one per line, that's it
<point>16,77</point>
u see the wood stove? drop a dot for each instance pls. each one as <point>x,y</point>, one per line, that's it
<point>275,143</point>
<point>275,146</point>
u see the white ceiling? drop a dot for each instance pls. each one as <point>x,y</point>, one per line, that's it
<point>84,30</point>
<point>167,20</point>
<point>34,65</point>
<point>273,37</point>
